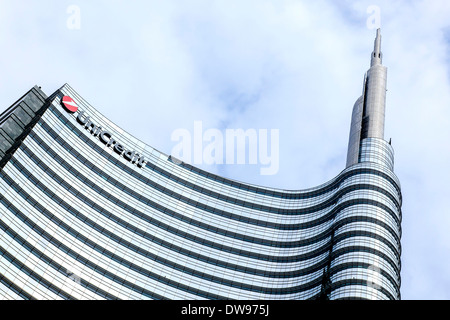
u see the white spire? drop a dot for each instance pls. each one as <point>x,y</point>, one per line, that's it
<point>376,54</point>
<point>368,111</point>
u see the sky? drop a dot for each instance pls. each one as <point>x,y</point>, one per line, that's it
<point>288,66</point>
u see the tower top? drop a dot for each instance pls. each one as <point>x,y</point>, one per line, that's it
<point>368,111</point>
<point>376,54</point>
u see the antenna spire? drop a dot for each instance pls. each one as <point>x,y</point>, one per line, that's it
<point>376,54</point>
<point>369,109</point>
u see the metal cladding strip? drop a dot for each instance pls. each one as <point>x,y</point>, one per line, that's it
<point>90,243</point>
<point>272,291</point>
<point>360,264</point>
<point>16,289</point>
<point>287,290</point>
<point>184,269</point>
<point>29,272</point>
<point>359,282</point>
<point>132,210</point>
<point>154,239</point>
<point>197,256</point>
<point>56,266</point>
<point>288,244</point>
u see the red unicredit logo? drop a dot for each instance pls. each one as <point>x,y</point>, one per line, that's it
<point>69,104</point>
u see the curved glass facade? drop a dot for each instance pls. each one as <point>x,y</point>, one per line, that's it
<point>88,211</point>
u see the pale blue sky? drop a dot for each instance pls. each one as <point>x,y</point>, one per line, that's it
<point>297,66</point>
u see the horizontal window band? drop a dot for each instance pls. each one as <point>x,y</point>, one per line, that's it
<point>358,248</point>
<point>75,255</point>
<point>16,289</point>
<point>59,223</point>
<point>136,268</point>
<point>33,275</point>
<point>272,193</point>
<point>56,266</point>
<point>139,250</point>
<point>239,268</point>
<point>359,282</point>
<point>362,218</point>
<point>363,265</point>
<point>223,232</point>
<point>371,235</point>
<point>194,255</point>
<point>155,222</point>
<point>157,206</point>
<point>309,255</point>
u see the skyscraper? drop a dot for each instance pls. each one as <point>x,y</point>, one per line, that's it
<point>87,211</point>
